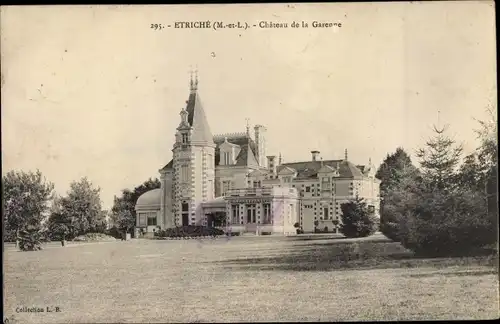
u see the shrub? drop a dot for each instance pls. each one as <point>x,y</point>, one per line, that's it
<point>447,224</point>
<point>31,238</point>
<point>266,233</point>
<point>189,231</point>
<point>94,237</point>
<point>114,232</point>
<point>391,230</point>
<point>357,220</point>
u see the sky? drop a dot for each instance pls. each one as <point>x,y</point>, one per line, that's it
<point>94,91</point>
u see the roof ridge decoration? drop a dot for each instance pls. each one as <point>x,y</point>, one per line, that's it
<point>306,161</point>
<point>229,135</point>
<point>193,85</point>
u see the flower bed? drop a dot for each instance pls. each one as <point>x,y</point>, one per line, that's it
<point>189,231</point>
<point>94,237</point>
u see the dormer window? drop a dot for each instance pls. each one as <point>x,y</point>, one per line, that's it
<point>226,156</point>
<point>326,183</point>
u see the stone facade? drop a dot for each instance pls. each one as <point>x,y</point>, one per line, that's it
<point>211,175</point>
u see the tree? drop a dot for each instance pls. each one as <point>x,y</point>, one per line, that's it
<point>126,221</point>
<point>396,172</point>
<point>487,156</point>
<point>439,160</point>
<point>443,216</point>
<point>470,173</point>
<point>402,197</point>
<point>31,238</point>
<point>488,135</point>
<point>81,208</point>
<point>388,172</point>
<point>58,224</point>
<point>123,210</point>
<point>25,201</point>
<point>357,220</point>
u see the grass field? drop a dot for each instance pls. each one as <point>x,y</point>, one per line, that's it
<point>246,279</point>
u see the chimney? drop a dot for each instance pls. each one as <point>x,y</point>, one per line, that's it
<point>271,164</point>
<point>315,155</point>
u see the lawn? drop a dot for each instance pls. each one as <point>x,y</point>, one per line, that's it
<point>246,279</point>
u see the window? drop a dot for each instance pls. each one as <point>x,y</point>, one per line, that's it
<point>184,173</point>
<point>185,214</point>
<point>226,158</point>
<point>251,214</point>
<point>143,219</point>
<point>234,214</point>
<point>371,209</point>
<point>184,138</point>
<point>226,186</point>
<point>267,214</point>
<point>256,184</point>
<point>151,220</point>
<point>308,189</point>
<point>326,184</point>
<point>210,161</point>
<point>325,212</point>
<point>210,189</point>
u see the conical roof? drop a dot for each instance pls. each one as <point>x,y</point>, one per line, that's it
<point>197,119</point>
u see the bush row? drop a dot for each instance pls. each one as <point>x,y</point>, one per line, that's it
<point>189,231</point>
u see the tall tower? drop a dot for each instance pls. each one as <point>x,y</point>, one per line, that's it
<point>193,162</point>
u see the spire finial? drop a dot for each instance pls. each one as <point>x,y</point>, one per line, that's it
<point>321,161</point>
<point>193,84</point>
<point>196,77</point>
<point>370,161</point>
<point>345,154</point>
<point>279,159</point>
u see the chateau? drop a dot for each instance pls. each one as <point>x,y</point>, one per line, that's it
<point>229,180</point>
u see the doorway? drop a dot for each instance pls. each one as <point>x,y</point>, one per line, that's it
<point>210,220</point>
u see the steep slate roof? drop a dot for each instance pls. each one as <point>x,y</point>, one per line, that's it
<point>250,158</point>
<point>244,143</point>
<point>169,165</point>
<point>244,158</point>
<point>198,120</point>
<point>309,169</point>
